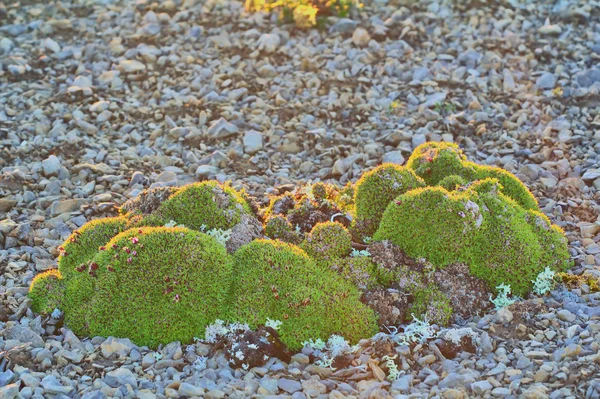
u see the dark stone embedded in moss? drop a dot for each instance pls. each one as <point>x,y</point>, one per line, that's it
<point>247,230</point>
<point>252,348</point>
<point>469,296</point>
<point>390,306</point>
<point>148,200</point>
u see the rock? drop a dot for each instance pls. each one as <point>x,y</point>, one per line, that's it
<point>480,387</point>
<point>403,383</point>
<point>434,99</point>
<point>51,385</point>
<point>120,377</point>
<point>393,157</point>
<point>222,129</point>
<point>549,29</point>
<point>546,81</point>
<point>66,206</point>
<point>131,66</point>
<point>24,334</point>
<point>6,204</point>
<point>343,25</point>
<point>51,166</point>
<point>289,386</point>
<point>148,360</point>
<point>10,391</point>
<point>253,142</point>
<point>500,392</point>
<point>509,81</point>
<point>254,347</point>
<point>248,229</point>
<point>116,346</point>
<point>589,230</point>
<point>565,315</point>
<point>51,45</point>
<point>6,377</point>
<point>361,37</point>
<point>188,390</point>
<point>504,316</point>
<point>591,174</point>
<point>269,42</point>
<point>587,79</point>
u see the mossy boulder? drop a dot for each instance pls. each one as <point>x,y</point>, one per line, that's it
<point>435,161</point>
<point>47,291</point>
<point>376,189</point>
<point>201,206</point>
<point>83,244</point>
<point>152,285</point>
<point>277,280</point>
<point>499,240</point>
<point>328,240</point>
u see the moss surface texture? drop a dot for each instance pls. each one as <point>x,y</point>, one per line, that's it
<point>165,274</point>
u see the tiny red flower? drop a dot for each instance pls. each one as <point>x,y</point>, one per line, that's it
<point>135,240</point>
<point>129,260</point>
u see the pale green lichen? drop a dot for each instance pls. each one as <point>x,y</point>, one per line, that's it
<point>544,282</point>
<point>503,300</point>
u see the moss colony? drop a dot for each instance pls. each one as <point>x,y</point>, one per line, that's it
<point>430,240</point>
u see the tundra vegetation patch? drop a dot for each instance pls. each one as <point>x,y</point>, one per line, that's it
<point>429,241</point>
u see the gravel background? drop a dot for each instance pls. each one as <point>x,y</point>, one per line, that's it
<point>101,99</point>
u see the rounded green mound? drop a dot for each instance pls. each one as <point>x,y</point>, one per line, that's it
<point>47,291</point>
<point>452,182</point>
<point>278,227</point>
<point>201,206</point>
<point>152,285</point>
<point>83,244</point>
<point>328,240</point>
<point>279,281</point>
<point>376,189</point>
<point>479,226</point>
<point>435,161</point>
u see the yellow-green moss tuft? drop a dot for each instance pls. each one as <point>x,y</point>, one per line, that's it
<point>47,291</point>
<point>328,240</point>
<point>276,280</point>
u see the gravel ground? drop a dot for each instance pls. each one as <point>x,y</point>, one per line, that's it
<point>100,99</point>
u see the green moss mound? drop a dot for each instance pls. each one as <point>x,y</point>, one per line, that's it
<point>479,226</point>
<point>84,243</point>
<point>47,291</point>
<point>278,227</point>
<point>452,182</point>
<point>277,280</point>
<point>376,189</point>
<point>431,304</point>
<point>153,285</point>
<point>328,240</point>
<point>202,206</point>
<point>435,161</point>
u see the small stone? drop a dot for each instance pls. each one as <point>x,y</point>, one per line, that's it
<point>10,391</point>
<point>269,42</point>
<point>6,377</point>
<point>188,390</point>
<point>51,45</point>
<point>116,346</point>
<point>131,66</point>
<point>120,377</point>
<point>253,142</point>
<point>361,37</point>
<point>51,166</point>
<point>480,387</point>
<point>393,157</point>
<point>566,315</point>
<point>51,385</point>
<point>222,129</point>
<point>504,316</point>
<point>289,386</point>
<point>24,334</point>
<point>546,81</point>
<point>500,392</point>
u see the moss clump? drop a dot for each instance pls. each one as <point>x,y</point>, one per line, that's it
<point>279,281</point>
<point>431,304</point>
<point>279,228</point>
<point>84,243</point>
<point>328,240</point>
<point>47,291</point>
<point>206,205</point>
<point>480,227</point>
<point>376,189</point>
<point>153,285</point>
<point>452,182</point>
<point>435,161</point>
<point>280,205</point>
<point>360,270</point>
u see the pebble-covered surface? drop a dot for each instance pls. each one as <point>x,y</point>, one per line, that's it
<point>100,99</point>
